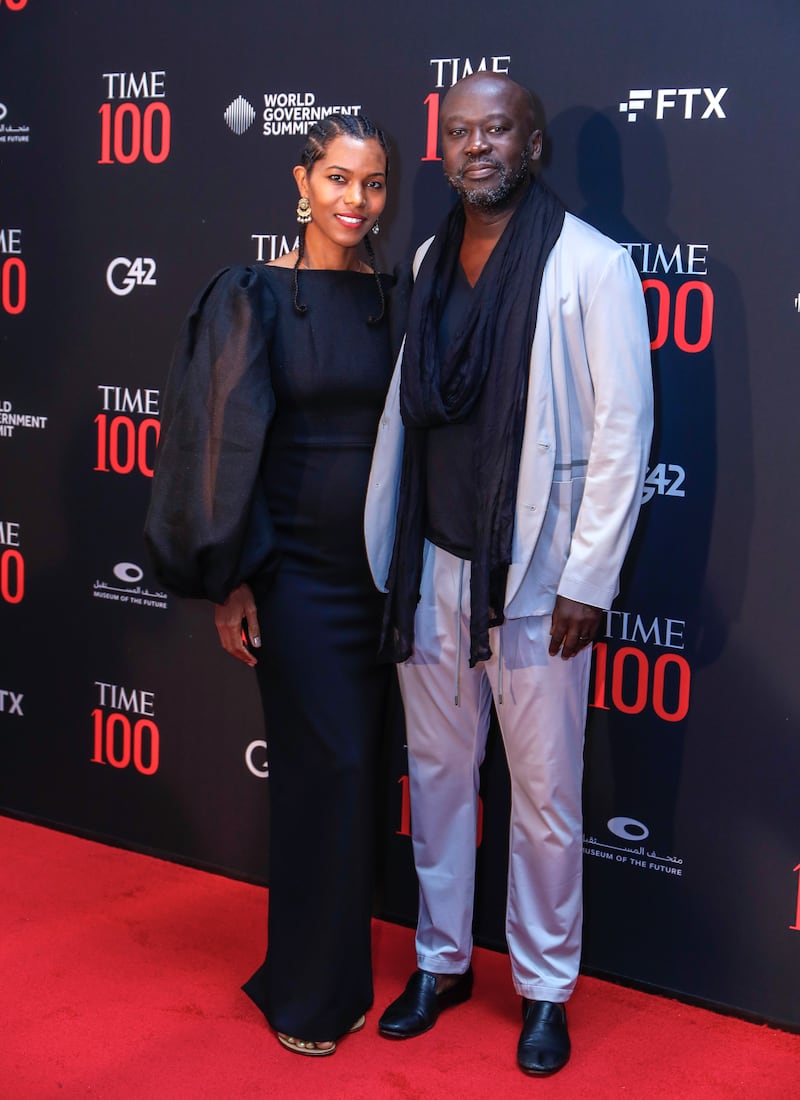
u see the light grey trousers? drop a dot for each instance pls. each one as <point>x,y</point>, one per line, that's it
<point>541,707</point>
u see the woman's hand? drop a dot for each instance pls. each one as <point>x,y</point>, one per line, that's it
<point>240,605</point>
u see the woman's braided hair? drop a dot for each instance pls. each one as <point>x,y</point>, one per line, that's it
<point>319,137</point>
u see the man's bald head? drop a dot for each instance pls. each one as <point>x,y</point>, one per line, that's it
<point>494,87</point>
<point>489,140</point>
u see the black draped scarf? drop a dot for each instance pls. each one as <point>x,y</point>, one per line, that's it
<point>486,365</point>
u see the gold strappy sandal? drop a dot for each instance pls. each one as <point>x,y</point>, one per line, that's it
<point>309,1048</point>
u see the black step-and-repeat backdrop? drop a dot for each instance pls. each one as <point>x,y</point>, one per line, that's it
<point>142,147</point>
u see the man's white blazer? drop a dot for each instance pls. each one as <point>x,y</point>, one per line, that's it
<point>586,439</point>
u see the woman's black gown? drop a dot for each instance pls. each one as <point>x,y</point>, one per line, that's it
<point>322,690</point>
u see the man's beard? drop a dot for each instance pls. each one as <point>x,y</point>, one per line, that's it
<point>506,187</point>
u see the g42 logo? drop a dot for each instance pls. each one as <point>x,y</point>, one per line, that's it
<point>666,480</point>
<point>139,272</point>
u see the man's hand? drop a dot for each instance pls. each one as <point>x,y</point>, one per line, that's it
<point>573,627</point>
<point>228,617</point>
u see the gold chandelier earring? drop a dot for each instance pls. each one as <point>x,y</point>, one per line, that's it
<point>304,211</point>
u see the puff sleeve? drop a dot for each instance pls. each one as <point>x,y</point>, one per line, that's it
<point>208,528</point>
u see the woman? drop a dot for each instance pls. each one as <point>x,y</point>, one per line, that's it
<point>269,419</point>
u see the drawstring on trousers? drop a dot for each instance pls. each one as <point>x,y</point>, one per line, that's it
<point>500,673</point>
<point>457,684</point>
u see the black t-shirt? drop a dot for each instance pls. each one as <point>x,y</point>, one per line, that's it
<point>450,520</point>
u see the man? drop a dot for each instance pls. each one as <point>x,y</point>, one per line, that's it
<point>521,428</point>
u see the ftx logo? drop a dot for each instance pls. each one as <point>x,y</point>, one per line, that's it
<point>667,99</point>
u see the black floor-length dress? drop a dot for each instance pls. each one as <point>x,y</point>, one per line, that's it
<point>322,690</point>
<point>267,434</point>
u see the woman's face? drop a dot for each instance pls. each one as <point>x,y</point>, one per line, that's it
<point>346,188</point>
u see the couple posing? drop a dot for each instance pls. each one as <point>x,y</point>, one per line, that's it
<point>501,496</point>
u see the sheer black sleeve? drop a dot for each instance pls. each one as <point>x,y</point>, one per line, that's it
<point>207,528</point>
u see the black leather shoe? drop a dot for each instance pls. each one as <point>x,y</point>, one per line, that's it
<point>417,1009</point>
<point>543,1046</point>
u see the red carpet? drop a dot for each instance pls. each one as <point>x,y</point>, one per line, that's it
<point>119,978</point>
